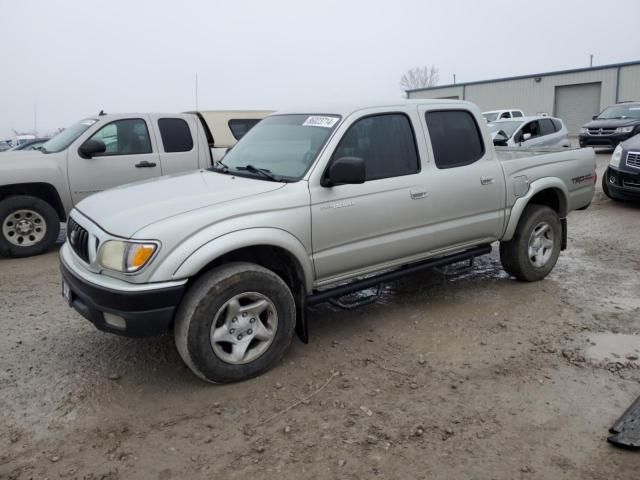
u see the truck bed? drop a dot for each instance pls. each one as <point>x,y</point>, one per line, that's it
<point>510,153</point>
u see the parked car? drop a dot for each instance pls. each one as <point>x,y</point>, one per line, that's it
<point>530,132</point>
<point>39,188</point>
<point>613,125</point>
<point>33,144</point>
<point>621,181</point>
<point>493,115</point>
<point>4,146</point>
<point>307,207</point>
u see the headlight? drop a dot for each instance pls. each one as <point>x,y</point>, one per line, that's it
<point>625,129</point>
<point>616,157</point>
<point>584,131</point>
<point>126,257</point>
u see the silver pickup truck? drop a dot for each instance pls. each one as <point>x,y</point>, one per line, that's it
<point>39,188</point>
<point>308,207</point>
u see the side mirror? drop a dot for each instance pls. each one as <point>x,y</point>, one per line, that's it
<point>345,170</point>
<point>525,137</point>
<point>500,139</point>
<point>91,148</point>
<point>595,117</point>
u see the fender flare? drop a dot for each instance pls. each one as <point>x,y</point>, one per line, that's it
<point>534,188</point>
<point>251,237</point>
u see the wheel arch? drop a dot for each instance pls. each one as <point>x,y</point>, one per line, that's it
<point>551,192</point>
<point>41,190</point>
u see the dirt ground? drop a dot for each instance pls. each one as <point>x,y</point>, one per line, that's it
<point>472,376</point>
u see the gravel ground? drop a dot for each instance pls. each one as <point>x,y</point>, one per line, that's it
<point>471,376</point>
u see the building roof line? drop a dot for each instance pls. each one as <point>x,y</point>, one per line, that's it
<point>531,75</point>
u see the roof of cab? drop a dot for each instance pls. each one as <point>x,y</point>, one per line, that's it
<point>344,109</point>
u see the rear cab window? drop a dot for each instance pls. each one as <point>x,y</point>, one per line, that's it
<point>239,127</point>
<point>516,113</point>
<point>455,138</point>
<point>176,135</point>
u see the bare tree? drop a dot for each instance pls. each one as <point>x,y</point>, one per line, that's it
<point>420,77</point>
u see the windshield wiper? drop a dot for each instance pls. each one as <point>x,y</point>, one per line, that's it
<point>260,171</point>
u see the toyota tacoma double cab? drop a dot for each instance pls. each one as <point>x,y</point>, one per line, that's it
<point>312,205</point>
<point>38,188</point>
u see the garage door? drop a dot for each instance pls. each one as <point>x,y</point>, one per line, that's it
<point>576,104</point>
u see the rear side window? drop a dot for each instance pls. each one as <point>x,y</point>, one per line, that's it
<point>516,114</point>
<point>176,136</point>
<point>455,138</point>
<point>240,127</point>
<point>557,124</point>
<point>546,126</point>
<point>386,144</point>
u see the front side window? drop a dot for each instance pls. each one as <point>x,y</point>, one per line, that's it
<point>531,128</point>
<point>175,134</point>
<point>455,138</point>
<point>505,115</point>
<point>240,127</point>
<point>284,145</point>
<point>386,144</point>
<point>125,137</point>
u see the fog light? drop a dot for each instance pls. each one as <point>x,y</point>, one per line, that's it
<point>115,321</point>
<point>612,179</point>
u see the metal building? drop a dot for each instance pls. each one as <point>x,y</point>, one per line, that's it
<point>572,95</point>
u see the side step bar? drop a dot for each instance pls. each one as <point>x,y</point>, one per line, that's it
<point>339,291</point>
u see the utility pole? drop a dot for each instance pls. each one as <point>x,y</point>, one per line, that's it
<point>591,60</point>
<point>196,92</point>
<point>35,119</point>
<point>454,78</point>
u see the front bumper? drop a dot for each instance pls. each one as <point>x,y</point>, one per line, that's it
<point>605,141</point>
<point>622,185</point>
<point>138,313</point>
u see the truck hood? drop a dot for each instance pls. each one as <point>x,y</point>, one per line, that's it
<point>124,210</point>
<point>613,122</point>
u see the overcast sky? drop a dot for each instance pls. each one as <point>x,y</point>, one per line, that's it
<point>74,58</point>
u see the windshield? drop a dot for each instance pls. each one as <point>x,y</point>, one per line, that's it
<point>490,116</point>
<point>621,111</point>
<point>507,127</point>
<point>66,137</point>
<point>283,145</point>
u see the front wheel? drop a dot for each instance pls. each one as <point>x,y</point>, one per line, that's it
<point>235,322</point>
<point>28,226</point>
<point>534,249</point>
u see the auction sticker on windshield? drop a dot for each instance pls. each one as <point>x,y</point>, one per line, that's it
<point>316,121</point>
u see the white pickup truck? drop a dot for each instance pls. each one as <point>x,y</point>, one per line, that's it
<point>39,188</point>
<point>308,207</point>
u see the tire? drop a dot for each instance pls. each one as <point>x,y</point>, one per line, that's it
<point>28,226</point>
<point>515,253</point>
<point>211,299</point>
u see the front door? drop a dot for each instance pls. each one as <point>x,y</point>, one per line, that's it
<point>129,157</point>
<point>361,227</point>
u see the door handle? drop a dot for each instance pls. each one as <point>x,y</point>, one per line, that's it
<point>487,180</point>
<point>418,194</point>
<point>145,164</point>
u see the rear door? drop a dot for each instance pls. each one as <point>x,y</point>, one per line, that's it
<point>131,155</point>
<point>177,142</point>
<point>548,135</point>
<point>466,182</point>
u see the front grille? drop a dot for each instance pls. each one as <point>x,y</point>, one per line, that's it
<point>633,159</point>
<point>78,238</point>
<point>602,131</point>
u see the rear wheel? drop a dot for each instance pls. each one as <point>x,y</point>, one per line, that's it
<point>28,226</point>
<point>235,322</point>
<point>534,249</point>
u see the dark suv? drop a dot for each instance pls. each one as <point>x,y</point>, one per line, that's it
<point>621,181</point>
<point>613,125</point>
